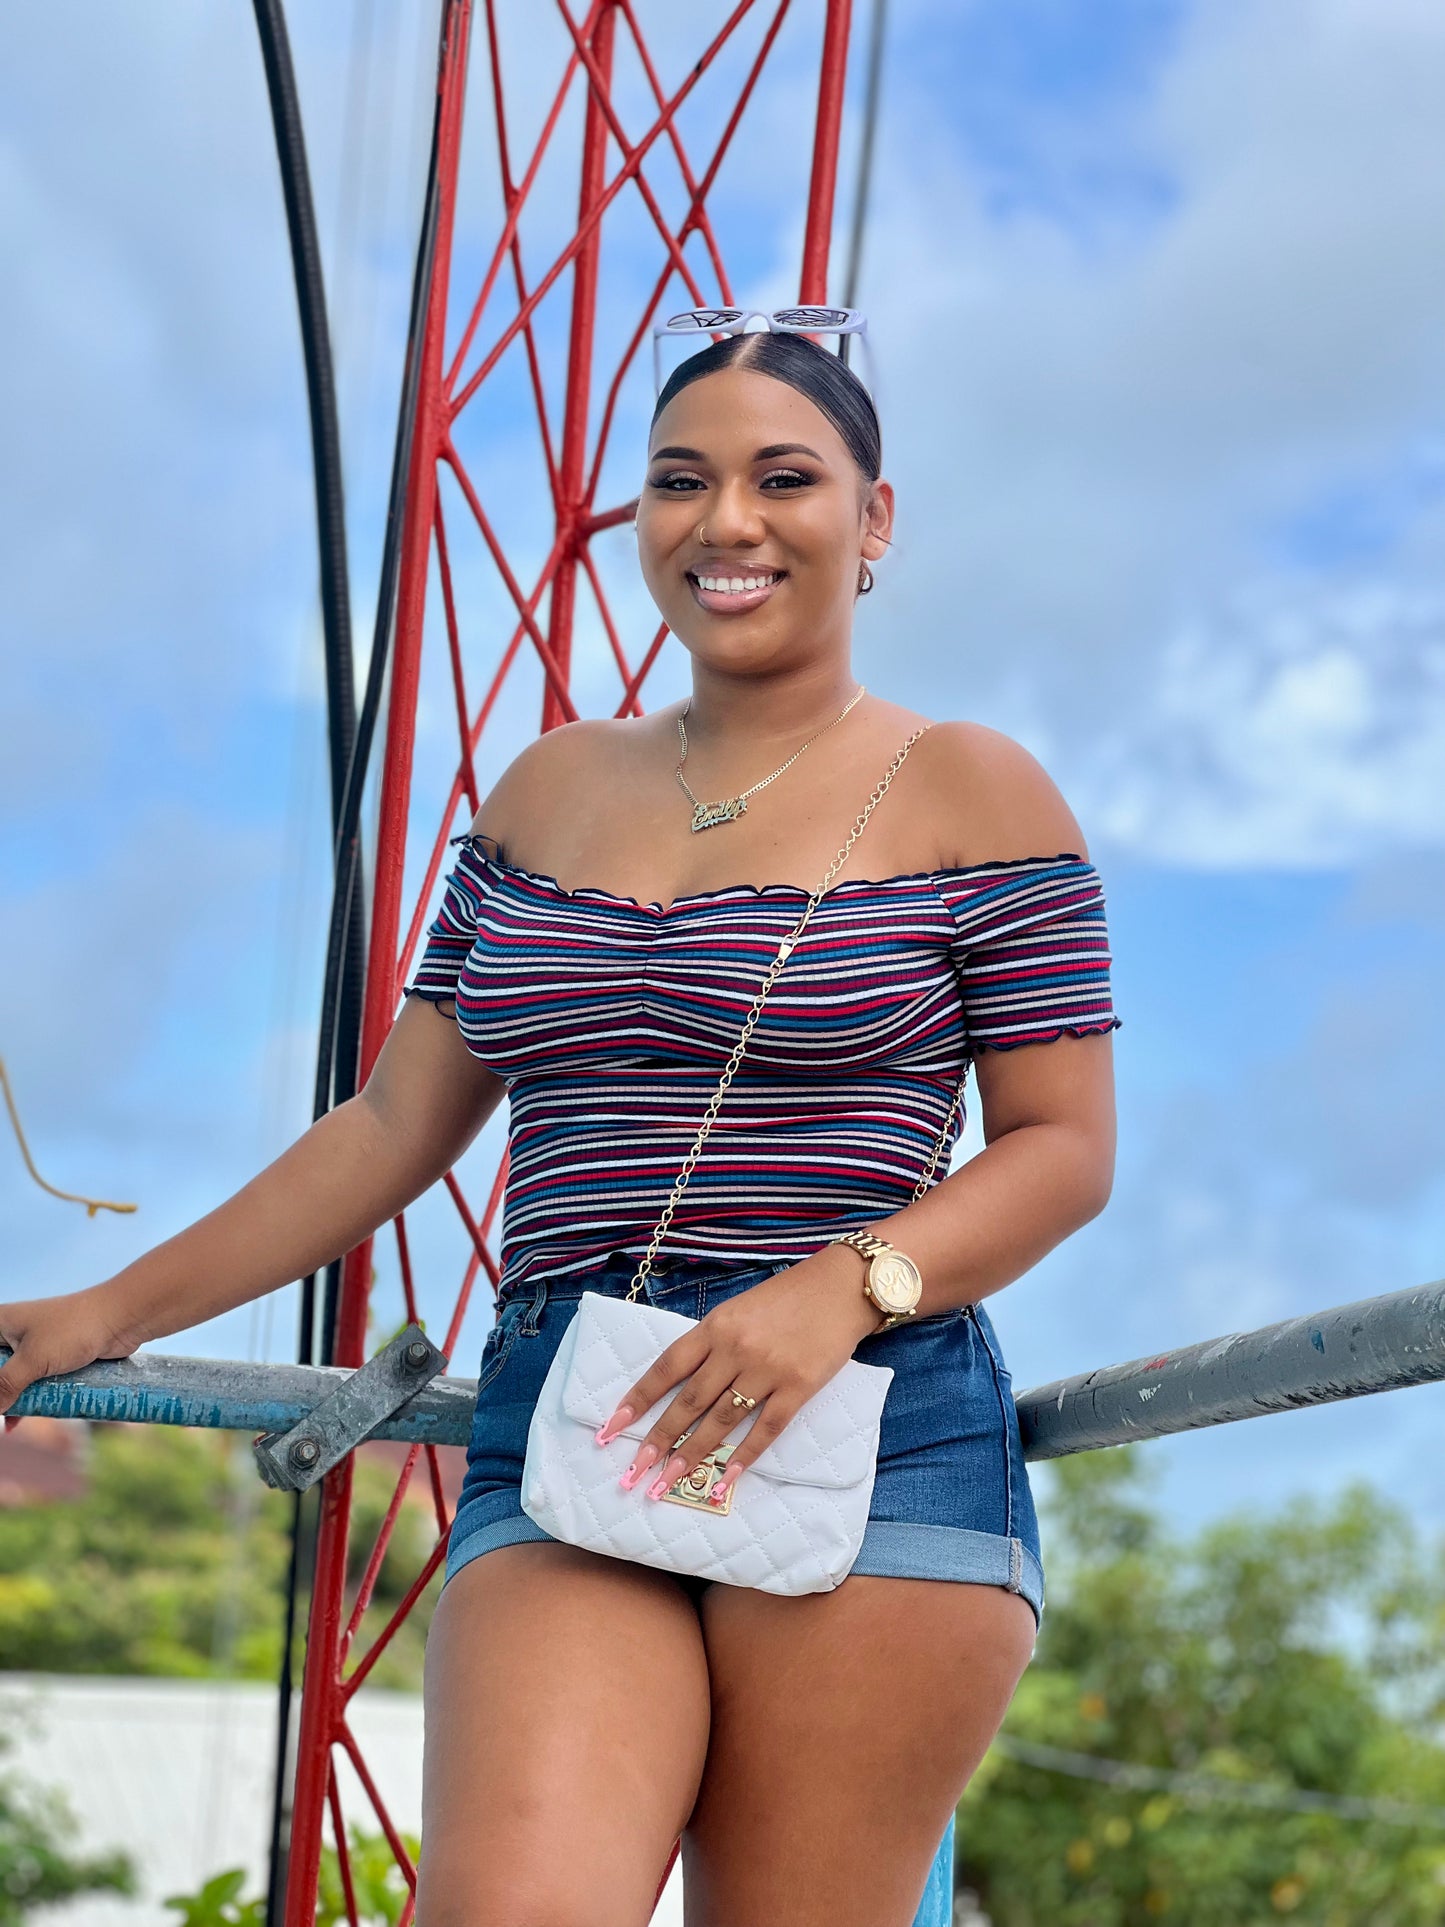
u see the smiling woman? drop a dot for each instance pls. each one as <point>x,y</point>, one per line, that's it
<point>669,999</point>
<point>738,579</point>
<point>615,982</point>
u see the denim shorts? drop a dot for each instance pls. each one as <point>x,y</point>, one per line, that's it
<point>951,1496</point>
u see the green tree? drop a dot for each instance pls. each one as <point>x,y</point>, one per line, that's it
<point>1298,1652</point>
<point>173,1562</point>
<point>377,1884</point>
<point>218,1903</point>
<point>38,1864</point>
<point>376,1880</point>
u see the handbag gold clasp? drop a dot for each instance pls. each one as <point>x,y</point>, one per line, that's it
<point>692,1488</point>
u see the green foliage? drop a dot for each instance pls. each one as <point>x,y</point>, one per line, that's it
<point>377,1883</point>
<point>376,1880</point>
<point>174,1563</point>
<point>219,1904</point>
<point>136,1576</point>
<point>1297,1651</point>
<point>37,1864</point>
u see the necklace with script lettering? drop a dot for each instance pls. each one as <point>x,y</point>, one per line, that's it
<point>706,816</point>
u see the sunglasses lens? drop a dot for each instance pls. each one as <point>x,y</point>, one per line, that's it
<point>703,320</point>
<point>824,319</point>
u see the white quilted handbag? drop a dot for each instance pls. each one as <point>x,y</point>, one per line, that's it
<point>794,1520</point>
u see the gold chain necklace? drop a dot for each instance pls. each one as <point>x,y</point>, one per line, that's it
<point>706,816</point>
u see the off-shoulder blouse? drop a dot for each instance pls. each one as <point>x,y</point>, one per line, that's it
<point>610,1021</point>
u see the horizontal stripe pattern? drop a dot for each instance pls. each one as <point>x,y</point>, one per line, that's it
<point>610,1021</point>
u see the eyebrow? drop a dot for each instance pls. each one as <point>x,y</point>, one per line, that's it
<point>767,454</point>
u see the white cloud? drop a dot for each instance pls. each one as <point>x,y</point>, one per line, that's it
<point>1095,447</point>
<point>1305,726</point>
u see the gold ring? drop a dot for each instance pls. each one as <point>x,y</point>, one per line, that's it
<point>740,1400</point>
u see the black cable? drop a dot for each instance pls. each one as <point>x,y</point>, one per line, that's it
<point>348,840</point>
<point>341,736</point>
<point>341,1052</point>
<point>872,92</point>
<point>303,1550</point>
<point>351,739</point>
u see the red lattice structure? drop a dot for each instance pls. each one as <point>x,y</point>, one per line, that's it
<point>644,170</point>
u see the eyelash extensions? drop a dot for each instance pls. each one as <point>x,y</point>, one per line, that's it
<point>795,475</point>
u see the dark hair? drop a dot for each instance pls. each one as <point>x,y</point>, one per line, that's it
<point>816,372</point>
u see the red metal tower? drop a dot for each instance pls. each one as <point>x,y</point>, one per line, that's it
<point>608,65</point>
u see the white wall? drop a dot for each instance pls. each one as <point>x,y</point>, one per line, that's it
<point>178,1772</point>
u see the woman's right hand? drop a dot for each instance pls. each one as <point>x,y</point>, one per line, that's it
<point>52,1335</point>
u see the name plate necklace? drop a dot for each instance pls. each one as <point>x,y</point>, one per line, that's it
<point>706,816</point>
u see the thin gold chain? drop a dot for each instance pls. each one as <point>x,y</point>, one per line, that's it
<point>784,951</point>
<point>777,772</point>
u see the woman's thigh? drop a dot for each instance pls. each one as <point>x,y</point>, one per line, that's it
<point>566,1728</point>
<point>845,1727</point>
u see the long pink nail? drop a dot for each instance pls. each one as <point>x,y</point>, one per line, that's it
<point>645,1457</point>
<point>622,1416</point>
<point>673,1470</point>
<point>722,1488</point>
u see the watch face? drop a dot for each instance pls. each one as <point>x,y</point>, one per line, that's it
<point>895,1281</point>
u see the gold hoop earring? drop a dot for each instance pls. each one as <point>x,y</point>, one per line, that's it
<point>865,578</point>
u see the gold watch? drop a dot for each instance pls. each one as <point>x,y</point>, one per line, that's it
<point>893,1282</point>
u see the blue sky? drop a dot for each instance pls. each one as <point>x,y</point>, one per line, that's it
<point>1158,311</point>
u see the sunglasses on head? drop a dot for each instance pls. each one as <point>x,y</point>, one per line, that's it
<point>842,322</point>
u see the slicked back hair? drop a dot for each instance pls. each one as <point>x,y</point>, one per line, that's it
<point>815,372</point>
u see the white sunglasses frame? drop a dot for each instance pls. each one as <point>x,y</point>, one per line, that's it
<point>705,321</point>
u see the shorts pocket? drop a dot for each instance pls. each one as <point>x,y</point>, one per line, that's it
<point>936,1324</point>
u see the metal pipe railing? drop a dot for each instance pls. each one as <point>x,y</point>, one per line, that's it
<point>1377,1345</point>
<point>227,1395</point>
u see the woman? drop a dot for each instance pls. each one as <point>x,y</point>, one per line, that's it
<point>602,936</point>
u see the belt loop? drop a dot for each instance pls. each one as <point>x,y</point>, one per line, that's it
<point>659,1276</point>
<point>535,1309</point>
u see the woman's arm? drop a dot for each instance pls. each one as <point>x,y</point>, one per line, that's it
<point>1047,1169</point>
<point>425,1101</point>
<point>1049,1121</point>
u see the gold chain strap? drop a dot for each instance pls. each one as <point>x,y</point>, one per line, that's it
<point>785,949</point>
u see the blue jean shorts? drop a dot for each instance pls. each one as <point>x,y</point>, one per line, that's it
<point>951,1496</point>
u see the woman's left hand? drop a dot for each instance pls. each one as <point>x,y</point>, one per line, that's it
<point>778,1343</point>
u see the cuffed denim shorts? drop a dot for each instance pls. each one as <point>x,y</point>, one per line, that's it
<point>951,1496</point>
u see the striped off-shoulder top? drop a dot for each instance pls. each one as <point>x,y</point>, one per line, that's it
<point>610,1021</point>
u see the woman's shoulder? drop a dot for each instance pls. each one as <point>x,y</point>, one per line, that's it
<point>987,797</point>
<point>992,798</point>
<point>551,772</point>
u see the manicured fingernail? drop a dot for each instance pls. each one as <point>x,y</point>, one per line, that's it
<point>721,1489</point>
<point>645,1457</point>
<point>614,1425</point>
<point>673,1470</point>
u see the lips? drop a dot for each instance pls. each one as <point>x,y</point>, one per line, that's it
<point>734,593</point>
